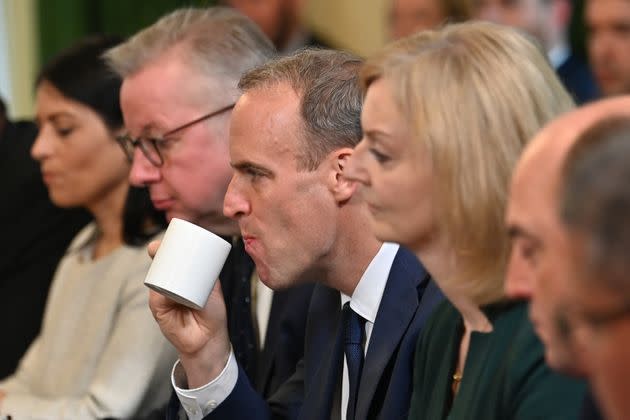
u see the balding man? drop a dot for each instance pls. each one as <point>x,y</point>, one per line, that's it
<point>540,269</point>
<point>595,209</point>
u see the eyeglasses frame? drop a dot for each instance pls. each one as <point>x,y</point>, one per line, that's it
<point>129,144</point>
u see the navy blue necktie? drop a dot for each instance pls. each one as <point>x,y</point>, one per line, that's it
<point>353,325</point>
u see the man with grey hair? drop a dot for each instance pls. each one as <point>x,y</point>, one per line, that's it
<point>596,212</point>
<point>292,133</point>
<point>180,80</point>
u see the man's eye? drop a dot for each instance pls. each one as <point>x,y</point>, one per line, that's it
<point>161,144</point>
<point>528,251</point>
<point>254,173</point>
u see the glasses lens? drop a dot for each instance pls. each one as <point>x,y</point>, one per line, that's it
<point>127,146</point>
<point>150,149</point>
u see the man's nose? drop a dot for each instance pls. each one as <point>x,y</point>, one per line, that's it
<point>235,204</point>
<point>142,171</point>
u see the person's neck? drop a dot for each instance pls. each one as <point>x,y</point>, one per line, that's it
<point>438,258</point>
<point>353,250</point>
<point>108,216</point>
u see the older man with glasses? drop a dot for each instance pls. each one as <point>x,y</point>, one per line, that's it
<point>151,147</point>
<point>180,80</point>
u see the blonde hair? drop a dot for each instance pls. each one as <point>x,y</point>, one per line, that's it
<point>473,94</point>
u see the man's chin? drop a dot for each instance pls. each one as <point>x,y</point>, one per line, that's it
<point>561,360</point>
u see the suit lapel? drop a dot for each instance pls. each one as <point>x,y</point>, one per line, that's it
<point>398,306</point>
<point>266,359</point>
<point>324,366</point>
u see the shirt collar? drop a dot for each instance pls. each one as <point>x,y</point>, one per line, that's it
<point>558,55</point>
<point>367,296</point>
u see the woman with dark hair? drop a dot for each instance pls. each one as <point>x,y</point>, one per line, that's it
<point>99,353</point>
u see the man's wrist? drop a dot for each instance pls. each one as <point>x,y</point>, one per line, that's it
<point>207,364</point>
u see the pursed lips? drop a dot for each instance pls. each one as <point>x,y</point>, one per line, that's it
<point>250,243</point>
<point>162,203</point>
<point>49,176</point>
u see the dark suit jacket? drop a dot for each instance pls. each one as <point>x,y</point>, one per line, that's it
<point>284,340</point>
<point>408,300</point>
<point>578,79</point>
<point>35,235</point>
<point>270,366</point>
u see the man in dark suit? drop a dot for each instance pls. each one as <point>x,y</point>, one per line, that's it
<point>292,133</point>
<point>35,234</point>
<point>187,169</point>
<point>608,44</point>
<point>548,21</point>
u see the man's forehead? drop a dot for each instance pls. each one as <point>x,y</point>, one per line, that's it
<point>546,153</point>
<point>174,74</point>
<point>266,118</point>
<point>537,176</point>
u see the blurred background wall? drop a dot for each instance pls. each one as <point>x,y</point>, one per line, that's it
<point>19,51</point>
<point>33,30</point>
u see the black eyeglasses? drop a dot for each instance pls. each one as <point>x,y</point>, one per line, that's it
<point>152,147</point>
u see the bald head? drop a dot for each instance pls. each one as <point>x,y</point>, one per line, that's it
<point>540,268</point>
<point>595,207</point>
<point>547,152</point>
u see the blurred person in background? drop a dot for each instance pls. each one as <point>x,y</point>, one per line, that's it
<point>409,16</point>
<point>36,234</point>
<point>548,22</point>
<point>608,36</point>
<point>595,208</point>
<point>99,353</point>
<point>446,115</point>
<point>281,21</point>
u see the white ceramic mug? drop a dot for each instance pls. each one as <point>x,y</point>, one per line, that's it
<point>187,263</point>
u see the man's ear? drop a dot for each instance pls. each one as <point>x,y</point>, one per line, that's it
<point>341,187</point>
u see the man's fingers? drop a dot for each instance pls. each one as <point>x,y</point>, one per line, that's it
<point>153,247</point>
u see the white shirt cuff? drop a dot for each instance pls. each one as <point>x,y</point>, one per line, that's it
<point>199,402</point>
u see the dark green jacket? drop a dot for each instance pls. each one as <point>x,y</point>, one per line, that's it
<point>505,375</point>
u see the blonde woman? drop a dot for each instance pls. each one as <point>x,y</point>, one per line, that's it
<point>445,118</point>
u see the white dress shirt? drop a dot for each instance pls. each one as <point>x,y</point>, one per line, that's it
<point>558,55</point>
<point>365,301</point>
